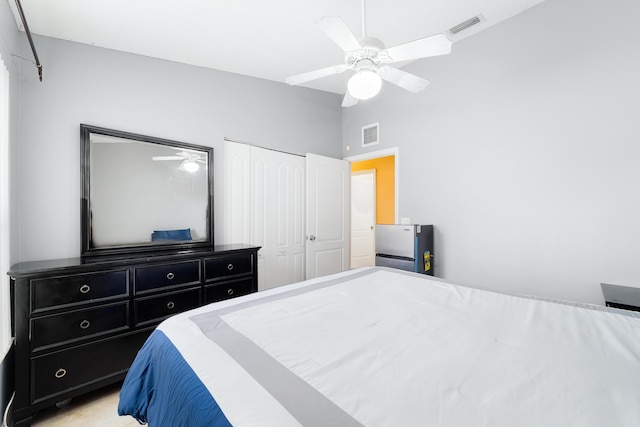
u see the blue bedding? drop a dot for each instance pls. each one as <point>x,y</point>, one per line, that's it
<point>161,389</point>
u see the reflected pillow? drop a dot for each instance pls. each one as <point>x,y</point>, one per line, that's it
<point>160,235</point>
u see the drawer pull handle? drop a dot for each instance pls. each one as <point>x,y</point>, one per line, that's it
<point>170,305</point>
<point>230,291</point>
<point>230,267</point>
<point>61,373</point>
<point>170,276</point>
<point>85,324</point>
<point>85,289</point>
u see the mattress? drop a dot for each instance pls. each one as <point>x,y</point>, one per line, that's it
<point>383,347</point>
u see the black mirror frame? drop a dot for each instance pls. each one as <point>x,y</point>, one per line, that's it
<point>87,249</point>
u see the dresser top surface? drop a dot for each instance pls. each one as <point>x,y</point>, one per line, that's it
<point>34,267</point>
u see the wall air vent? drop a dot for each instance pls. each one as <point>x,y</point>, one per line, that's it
<point>370,135</point>
<point>466,24</point>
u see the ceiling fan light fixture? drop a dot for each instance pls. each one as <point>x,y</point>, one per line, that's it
<point>191,166</point>
<point>364,84</point>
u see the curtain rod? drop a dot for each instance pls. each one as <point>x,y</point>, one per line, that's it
<point>26,30</point>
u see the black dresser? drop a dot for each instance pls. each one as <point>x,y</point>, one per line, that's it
<point>79,323</point>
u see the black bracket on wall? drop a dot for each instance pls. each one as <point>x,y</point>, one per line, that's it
<point>26,30</point>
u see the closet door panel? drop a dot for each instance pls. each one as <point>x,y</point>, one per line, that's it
<point>265,206</point>
<point>262,213</point>
<point>237,194</point>
<point>296,234</point>
<point>328,222</point>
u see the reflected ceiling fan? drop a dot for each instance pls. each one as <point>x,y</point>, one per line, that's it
<point>189,160</point>
<point>369,59</point>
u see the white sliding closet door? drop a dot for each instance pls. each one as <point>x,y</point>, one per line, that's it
<point>237,194</point>
<point>277,200</point>
<point>264,206</point>
<point>278,215</point>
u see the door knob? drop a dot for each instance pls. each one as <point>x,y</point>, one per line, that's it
<point>312,238</point>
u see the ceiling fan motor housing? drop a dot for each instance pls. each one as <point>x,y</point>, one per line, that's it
<point>372,50</point>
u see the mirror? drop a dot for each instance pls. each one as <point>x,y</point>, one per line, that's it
<point>143,194</point>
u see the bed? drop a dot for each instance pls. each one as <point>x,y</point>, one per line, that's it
<point>382,347</point>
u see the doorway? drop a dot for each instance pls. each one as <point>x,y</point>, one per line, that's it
<point>385,201</point>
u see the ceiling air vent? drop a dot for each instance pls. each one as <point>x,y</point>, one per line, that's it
<point>370,135</point>
<point>466,24</point>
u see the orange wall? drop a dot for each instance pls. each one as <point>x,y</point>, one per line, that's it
<point>385,186</point>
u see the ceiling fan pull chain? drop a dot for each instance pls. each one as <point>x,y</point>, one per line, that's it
<point>364,19</point>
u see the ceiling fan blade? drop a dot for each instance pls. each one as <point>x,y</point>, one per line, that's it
<point>438,44</point>
<point>403,79</point>
<point>167,158</point>
<point>312,75</point>
<point>338,31</point>
<point>349,100</point>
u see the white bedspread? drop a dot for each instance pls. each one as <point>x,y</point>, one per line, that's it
<point>390,348</point>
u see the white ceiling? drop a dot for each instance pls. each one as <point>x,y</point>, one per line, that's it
<point>268,39</point>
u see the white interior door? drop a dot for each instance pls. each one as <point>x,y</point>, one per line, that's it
<point>327,211</point>
<point>363,218</point>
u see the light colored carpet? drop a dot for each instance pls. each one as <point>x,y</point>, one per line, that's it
<point>96,409</point>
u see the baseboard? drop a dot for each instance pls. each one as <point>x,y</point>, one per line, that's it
<point>7,382</point>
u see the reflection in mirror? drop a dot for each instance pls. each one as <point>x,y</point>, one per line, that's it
<point>144,193</point>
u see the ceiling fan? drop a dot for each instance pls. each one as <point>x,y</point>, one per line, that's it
<point>369,59</point>
<point>189,160</point>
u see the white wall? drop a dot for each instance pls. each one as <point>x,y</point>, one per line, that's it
<point>84,84</point>
<point>524,151</point>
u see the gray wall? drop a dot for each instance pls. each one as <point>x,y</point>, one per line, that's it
<point>85,84</point>
<point>524,151</point>
<point>9,45</point>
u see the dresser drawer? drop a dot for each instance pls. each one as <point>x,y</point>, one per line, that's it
<point>226,290</point>
<point>54,292</point>
<point>62,371</point>
<point>155,309</point>
<point>64,327</point>
<point>167,275</point>
<point>227,266</point>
